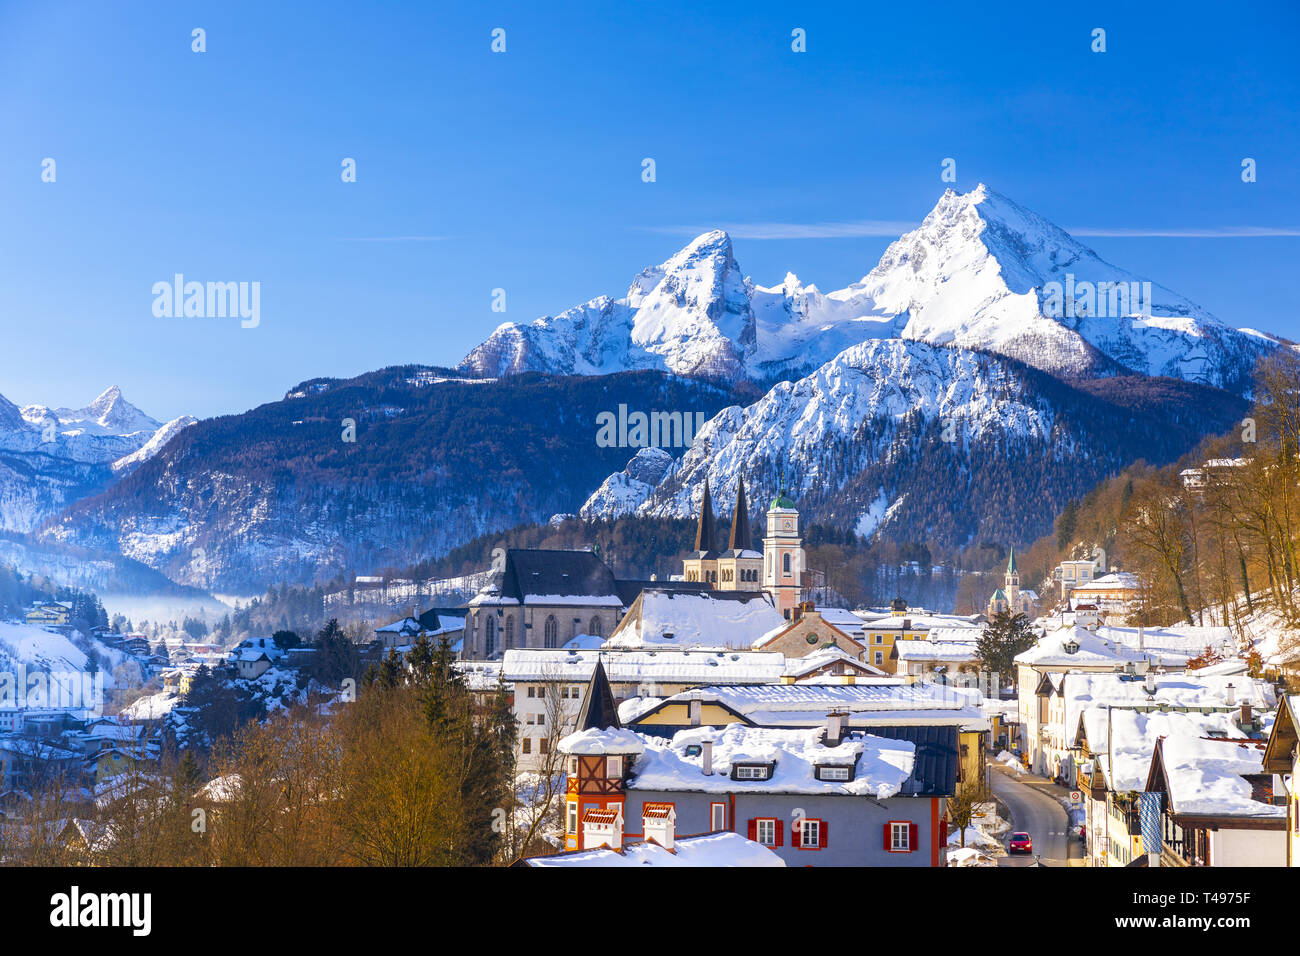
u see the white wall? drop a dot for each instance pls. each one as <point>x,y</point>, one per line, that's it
<point>1247,848</point>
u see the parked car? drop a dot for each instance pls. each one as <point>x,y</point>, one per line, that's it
<point>1020,843</point>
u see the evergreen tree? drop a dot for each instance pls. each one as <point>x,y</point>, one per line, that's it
<point>1002,639</point>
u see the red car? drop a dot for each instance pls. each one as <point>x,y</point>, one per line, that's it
<point>1020,843</point>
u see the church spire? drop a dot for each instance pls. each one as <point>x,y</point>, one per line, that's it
<point>741,537</point>
<point>1011,562</point>
<point>704,532</point>
<point>599,712</point>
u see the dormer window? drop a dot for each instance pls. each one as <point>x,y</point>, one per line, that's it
<point>694,750</point>
<point>752,771</point>
<point>831,772</point>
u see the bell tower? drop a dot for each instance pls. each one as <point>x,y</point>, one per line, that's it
<point>783,556</point>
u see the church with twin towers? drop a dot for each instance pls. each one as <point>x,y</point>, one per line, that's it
<point>778,569</point>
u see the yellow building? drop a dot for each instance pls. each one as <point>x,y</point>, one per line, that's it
<point>54,613</point>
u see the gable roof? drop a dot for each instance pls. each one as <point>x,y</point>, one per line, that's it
<point>695,618</point>
<point>1284,736</point>
<point>1206,779</point>
<point>536,575</point>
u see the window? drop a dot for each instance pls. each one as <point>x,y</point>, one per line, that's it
<point>811,638</point>
<point>510,632</point>
<point>490,640</point>
<point>550,629</point>
<point>613,767</point>
<point>543,746</point>
<point>810,833</point>
<point>834,773</point>
<point>572,826</point>
<point>717,816</point>
<point>594,627</point>
<point>751,772</point>
<point>526,745</point>
<point>880,658</point>
<point>766,832</point>
<point>785,564</point>
<point>900,836</point>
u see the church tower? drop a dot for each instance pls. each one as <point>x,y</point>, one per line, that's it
<point>740,566</point>
<point>702,565</point>
<point>783,556</point>
<point>1007,597</point>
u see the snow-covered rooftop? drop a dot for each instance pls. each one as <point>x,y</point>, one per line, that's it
<point>880,765</point>
<point>956,651</point>
<point>695,666</point>
<point>1093,650</point>
<point>1206,777</point>
<point>1186,692</point>
<point>1133,735</point>
<point>800,705</point>
<point>666,618</point>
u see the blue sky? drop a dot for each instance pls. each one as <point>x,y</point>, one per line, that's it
<point>522,170</point>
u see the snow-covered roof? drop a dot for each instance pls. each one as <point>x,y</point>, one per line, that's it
<point>964,633</point>
<point>712,849</point>
<point>842,618</point>
<point>799,666</point>
<point>584,642</point>
<point>1205,777</point>
<point>805,704</point>
<point>692,618</point>
<point>956,651</point>
<point>1178,640</point>
<point>1109,582</point>
<point>881,765</point>
<point>694,666</point>
<point>606,741</point>
<point>1093,651</point>
<point>1133,735</point>
<point>1186,692</point>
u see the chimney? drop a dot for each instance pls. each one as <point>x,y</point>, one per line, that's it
<point>603,827</point>
<point>836,725</point>
<point>659,823</point>
<point>706,757</point>
<point>1247,717</point>
<point>1142,642</point>
<point>1230,694</point>
<point>696,710</point>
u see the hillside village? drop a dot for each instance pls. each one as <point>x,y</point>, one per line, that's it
<point>720,717</point>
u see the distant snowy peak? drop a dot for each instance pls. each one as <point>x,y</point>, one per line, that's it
<point>161,437</point>
<point>109,415</point>
<point>980,272</point>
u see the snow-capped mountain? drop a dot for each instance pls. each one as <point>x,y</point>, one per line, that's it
<point>904,437</point>
<point>980,272</point>
<point>50,458</point>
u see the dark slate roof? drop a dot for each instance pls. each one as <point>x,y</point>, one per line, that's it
<point>705,529</point>
<point>630,590</point>
<point>741,538</point>
<point>937,753</point>
<point>599,712</point>
<point>567,573</point>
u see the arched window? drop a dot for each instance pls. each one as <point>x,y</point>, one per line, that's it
<point>594,627</point>
<point>490,636</point>
<point>785,563</point>
<point>510,633</point>
<point>550,629</point>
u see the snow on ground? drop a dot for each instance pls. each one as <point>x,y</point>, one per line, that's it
<point>1008,759</point>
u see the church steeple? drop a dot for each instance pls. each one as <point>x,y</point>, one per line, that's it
<point>705,532</point>
<point>599,712</point>
<point>741,536</point>
<point>1011,562</point>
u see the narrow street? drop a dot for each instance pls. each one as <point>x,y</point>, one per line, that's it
<point>1035,810</point>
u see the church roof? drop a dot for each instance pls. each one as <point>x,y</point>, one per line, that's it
<point>1011,562</point>
<point>536,575</point>
<point>741,537</point>
<point>781,501</point>
<point>999,595</point>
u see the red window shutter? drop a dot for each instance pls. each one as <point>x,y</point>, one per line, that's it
<point>913,838</point>
<point>780,833</point>
<point>888,844</point>
<point>796,834</point>
<point>825,831</point>
<point>943,832</point>
<point>753,830</point>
